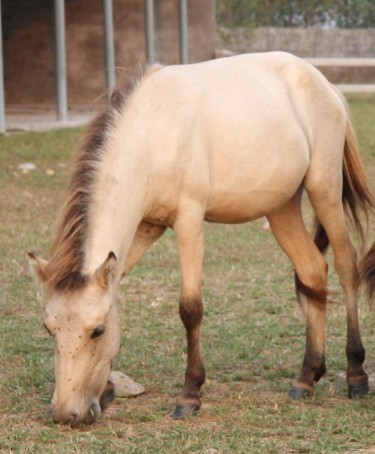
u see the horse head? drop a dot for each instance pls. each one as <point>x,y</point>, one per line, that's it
<point>84,325</point>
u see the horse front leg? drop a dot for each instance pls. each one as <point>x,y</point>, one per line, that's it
<point>188,402</point>
<point>190,244</point>
<point>145,236</point>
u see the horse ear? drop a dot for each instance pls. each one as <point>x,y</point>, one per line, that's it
<point>106,273</point>
<point>37,267</point>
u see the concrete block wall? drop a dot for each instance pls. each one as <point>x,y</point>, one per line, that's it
<point>306,43</point>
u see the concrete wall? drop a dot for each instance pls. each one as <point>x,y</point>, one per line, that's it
<point>306,43</point>
<point>299,41</point>
<point>29,44</point>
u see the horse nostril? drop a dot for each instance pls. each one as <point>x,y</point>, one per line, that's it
<point>74,419</point>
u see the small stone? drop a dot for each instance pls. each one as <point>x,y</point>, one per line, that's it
<point>25,167</point>
<point>124,385</point>
<point>50,172</point>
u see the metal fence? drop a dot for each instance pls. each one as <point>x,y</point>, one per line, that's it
<point>60,51</point>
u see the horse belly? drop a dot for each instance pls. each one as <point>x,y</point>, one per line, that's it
<point>233,208</point>
<point>257,180</point>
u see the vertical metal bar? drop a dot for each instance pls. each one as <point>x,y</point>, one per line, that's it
<point>183,16</point>
<point>109,46</point>
<point>149,28</point>
<point>61,77</point>
<point>158,30</point>
<point>2,96</point>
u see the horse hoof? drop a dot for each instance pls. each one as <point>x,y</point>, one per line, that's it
<point>297,393</point>
<point>360,390</point>
<point>183,411</point>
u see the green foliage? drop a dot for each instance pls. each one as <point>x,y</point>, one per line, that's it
<point>354,13</point>
<point>296,13</point>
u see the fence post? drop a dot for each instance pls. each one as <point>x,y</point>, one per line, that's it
<point>2,96</point>
<point>61,83</point>
<point>109,48</point>
<point>183,19</point>
<point>150,44</point>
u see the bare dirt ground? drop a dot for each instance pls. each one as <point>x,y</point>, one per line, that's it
<point>34,118</point>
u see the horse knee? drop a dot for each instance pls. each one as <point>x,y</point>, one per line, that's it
<point>191,312</point>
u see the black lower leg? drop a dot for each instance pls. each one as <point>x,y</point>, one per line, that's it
<point>313,368</point>
<point>191,312</point>
<point>357,378</point>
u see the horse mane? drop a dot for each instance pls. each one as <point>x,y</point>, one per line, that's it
<point>64,269</point>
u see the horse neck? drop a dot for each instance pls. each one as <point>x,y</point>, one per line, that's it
<point>117,208</point>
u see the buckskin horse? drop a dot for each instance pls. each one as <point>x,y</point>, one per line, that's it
<point>228,141</point>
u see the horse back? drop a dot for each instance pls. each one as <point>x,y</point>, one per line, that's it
<point>236,134</point>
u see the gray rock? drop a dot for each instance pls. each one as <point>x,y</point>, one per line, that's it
<point>124,385</point>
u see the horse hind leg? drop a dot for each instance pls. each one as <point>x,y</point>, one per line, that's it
<point>189,233</point>
<point>329,210</point>
<point>290,232</point>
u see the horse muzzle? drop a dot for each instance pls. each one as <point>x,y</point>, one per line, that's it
<point>74,417</point>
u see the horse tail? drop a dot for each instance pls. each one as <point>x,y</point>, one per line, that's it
<point>367,272</point>
<point>356,198</point>
<point>359,196</point>
<point>356,194</point>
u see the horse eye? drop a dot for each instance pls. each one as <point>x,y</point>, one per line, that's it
<point>99,331</point>
<point>46,328</point>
